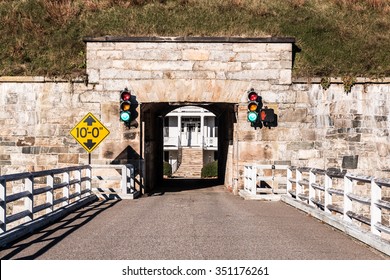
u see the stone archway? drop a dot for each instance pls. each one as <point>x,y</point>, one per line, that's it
<point>152,119</point>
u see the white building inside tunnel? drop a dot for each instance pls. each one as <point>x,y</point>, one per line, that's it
<point>190,140</point>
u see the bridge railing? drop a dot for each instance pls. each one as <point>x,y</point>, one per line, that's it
<point>358,205</point>
<point>33,199</point>
<point>108,175</point>
<point>36,194</point>
<point>265,178</point>
<point>352,197</point>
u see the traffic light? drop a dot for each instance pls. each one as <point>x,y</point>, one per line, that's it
<point>254,106</point>
<point>125,106</point>
<point>268,117</point>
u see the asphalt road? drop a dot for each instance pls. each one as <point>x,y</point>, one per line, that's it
<point>200,224</point>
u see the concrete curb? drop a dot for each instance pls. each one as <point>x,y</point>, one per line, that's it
<point>348,228</point>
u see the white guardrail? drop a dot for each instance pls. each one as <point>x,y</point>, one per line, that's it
<point>336,196</point>
<point>31,200</point>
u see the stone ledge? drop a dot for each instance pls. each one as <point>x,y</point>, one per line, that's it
<point>111,39</point>
<point>338,80</point>
<point>38,79</point>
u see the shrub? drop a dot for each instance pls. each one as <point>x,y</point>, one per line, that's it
<point>210,170</point>
<point>167,169</point>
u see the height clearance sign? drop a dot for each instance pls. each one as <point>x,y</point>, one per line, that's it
<point>89,132</point>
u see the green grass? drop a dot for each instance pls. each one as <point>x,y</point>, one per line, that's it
<point>336,37</point>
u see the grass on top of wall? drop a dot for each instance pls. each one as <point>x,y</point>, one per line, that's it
<point>336,37</point>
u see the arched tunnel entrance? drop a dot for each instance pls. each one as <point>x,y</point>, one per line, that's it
<point>152,117</point>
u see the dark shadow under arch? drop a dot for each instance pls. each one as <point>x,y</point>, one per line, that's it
<point>153,115</point>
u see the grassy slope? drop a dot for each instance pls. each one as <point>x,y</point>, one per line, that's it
<point>336,37</point>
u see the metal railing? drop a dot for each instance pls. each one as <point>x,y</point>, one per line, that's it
<point>41,191</point>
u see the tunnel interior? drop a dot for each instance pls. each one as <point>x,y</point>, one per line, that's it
<point>152,118</point>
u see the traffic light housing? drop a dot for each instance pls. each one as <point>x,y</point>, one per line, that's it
<point>268,117</point>
<point>125,106</point>
<point>254,106</point>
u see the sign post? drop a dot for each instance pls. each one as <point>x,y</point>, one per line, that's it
<point>89,132</point>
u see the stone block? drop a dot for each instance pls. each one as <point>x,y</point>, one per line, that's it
<point>217,66</point>
<point>109,54</point>
<point>285,76</point>
<point>278,47</point>
<point>254,75</point>
<point>299,145</point>
<point>26,141</point>
<point>350,162</point>
<point>383,149</point>
<point>308,154</point>
<point>293,115</point>
<point>191,54</point>
<point>72,159</point>
<point>255,151</point>
<point>93,76</point>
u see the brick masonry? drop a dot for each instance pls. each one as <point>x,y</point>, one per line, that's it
<point>316,127</point>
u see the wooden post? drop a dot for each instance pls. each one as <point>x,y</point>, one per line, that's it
<point>376,213</point>
<point>347,201</point>
<point>3,205</point>
<point>88,173</point>
<point>312,191</point>
<point>289,183</point>
<point>124,179</point>
<point>327,194</point>
<point>29,200</point>
<point>78,184</point>
<point>65,189</point>
<point>50,193</point>
<point>298,189</point>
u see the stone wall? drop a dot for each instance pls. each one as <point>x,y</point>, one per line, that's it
<point>316,127</point>
<point>325,128</point>
<point>37,116</point>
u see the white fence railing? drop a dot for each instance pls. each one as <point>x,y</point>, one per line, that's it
<point>353,197</point>
<point>32,199</point>
<point>40,193</point>
<point>210,143</point>
<point>265,179</point>
<point>109,176</point>
<point>361,201</point>
<point>171,142</point>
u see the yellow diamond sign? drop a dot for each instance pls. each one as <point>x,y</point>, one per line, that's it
<point>89,132</point>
